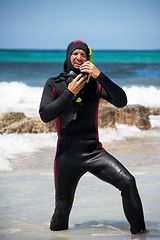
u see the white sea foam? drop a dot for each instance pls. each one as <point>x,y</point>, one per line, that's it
<point>17,96</point>
<point>119,134</point>
<point>155,121</point>
<point>13,144</point>
<point>146,96</point>
<point>20,97</point>
<point>12,230</point>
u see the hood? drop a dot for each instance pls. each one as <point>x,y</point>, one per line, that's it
<point>77,44</point>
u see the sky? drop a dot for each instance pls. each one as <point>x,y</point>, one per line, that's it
<point>102,24</point>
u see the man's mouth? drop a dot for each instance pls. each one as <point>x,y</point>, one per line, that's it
<point>77,64</point>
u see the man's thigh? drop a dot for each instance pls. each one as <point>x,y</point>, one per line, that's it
<point>67,174</point>
<point>108,168</point>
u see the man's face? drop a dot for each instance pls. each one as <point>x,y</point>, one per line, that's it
<point>78,57</point>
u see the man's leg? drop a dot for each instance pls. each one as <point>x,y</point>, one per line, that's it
<point>60,218</point>
<point>110,170</point>
<point>66,179</point>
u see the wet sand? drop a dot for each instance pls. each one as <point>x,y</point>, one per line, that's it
<point>27,196</point>
<point>134,151</point>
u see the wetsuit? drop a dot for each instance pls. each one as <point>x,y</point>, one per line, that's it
<point>79,150</point>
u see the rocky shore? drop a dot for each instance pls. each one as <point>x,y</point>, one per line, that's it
<point>17,122</point>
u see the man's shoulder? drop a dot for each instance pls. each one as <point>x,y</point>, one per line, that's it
<point>52,80</point>
<point>49,83</point>
<point>56,79</point>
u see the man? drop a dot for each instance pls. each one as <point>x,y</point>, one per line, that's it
<point>72,99</point>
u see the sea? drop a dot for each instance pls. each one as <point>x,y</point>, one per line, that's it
<point>26,160</point>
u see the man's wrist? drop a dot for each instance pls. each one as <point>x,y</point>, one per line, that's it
<point>98,75</point>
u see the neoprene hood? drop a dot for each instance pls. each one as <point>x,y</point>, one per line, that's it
<point>77,44</point>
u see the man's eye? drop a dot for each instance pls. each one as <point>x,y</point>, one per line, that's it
<point>75,54</point>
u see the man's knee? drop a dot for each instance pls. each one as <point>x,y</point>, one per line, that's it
<point>130,180</point>
<point>127,181</point>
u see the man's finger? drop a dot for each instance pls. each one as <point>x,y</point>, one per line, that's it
<point>83,79</point>
<point>78,77</point>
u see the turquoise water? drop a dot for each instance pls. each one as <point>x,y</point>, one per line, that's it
<point>127,68</point>
<point>58,56</point>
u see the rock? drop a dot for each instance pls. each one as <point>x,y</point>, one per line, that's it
<point>10,117</point>
<point>106,117</point>
<point>131,115</point>
<point>134,115</point>
<point>154,110</point>
<point>17,122</point>
<point>105,103</point>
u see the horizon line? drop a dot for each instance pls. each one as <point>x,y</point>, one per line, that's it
<point>62,49</point>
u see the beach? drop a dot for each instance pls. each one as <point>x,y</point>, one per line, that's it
<point>27,196</point>
<point>26,160</point>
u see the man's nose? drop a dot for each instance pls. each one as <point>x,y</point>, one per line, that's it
<point>79,56</point>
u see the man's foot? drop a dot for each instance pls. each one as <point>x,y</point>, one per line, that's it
<point>140,232</point>
<point>58,224</point>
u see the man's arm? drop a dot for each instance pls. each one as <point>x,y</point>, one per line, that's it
<point>110,91</point>
<point>50,106</point>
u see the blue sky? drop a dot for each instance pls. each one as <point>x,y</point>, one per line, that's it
<point>103,24</point>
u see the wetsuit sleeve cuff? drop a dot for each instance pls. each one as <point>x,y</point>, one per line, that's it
<point>67,95</point>
<point>101,76</point>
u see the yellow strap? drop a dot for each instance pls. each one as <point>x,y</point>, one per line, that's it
<point>90,54</point>
<point>90,59</point>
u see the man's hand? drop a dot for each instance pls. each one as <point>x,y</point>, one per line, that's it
<point>77,84</point>
<point>90,68</point>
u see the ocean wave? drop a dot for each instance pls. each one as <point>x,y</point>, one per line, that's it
<point>146,96</point>
<point>19,97</point>
<point>17,144</point>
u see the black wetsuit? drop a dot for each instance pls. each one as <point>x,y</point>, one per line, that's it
<point>79,150</point>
